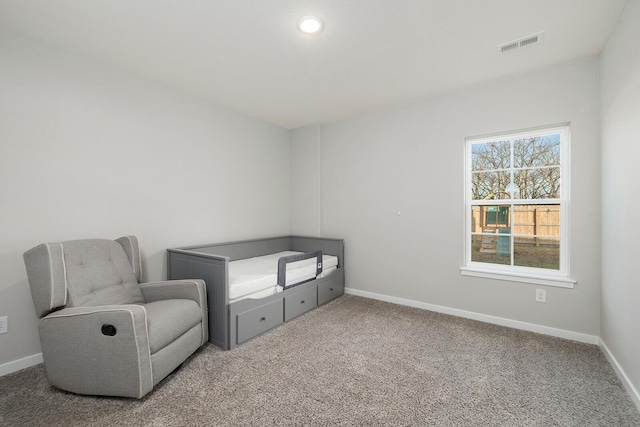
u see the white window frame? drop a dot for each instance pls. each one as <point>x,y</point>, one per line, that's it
<point>538,276</point>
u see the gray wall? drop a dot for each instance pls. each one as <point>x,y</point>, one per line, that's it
<point>392,186</point>
<point>88,151</point>
<point>305,181</point>
<point>620,104</point>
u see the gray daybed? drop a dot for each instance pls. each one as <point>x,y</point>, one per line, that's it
<point>234,321</point>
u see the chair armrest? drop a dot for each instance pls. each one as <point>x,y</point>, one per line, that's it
<point>193,289</point>
<point>101,350</point>
<point>175,289</point>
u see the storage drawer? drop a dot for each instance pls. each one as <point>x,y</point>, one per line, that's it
<point>258,320</point>
<point>300,302</point>
<point>330,289</point>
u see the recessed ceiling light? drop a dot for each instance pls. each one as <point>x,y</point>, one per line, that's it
<point>310,24</point>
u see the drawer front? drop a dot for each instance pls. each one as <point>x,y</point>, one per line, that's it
<point>256,321</point>
<point>330,290</point>
<point>299,303</point>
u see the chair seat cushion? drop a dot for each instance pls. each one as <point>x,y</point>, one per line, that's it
<point>169,319</point>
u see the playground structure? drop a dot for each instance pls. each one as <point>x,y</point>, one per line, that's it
<point>530,224</point>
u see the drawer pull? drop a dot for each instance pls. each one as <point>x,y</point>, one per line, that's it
<point>302,302</point>
<point>262,319</point>
<point>331,289</point>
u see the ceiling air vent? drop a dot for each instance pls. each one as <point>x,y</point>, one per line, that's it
<point>520,43</point>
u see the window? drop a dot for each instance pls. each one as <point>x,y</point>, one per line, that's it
<point>517,187</point>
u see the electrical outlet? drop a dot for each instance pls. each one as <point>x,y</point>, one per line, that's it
<point>541,295</point>
<point>4,324</point>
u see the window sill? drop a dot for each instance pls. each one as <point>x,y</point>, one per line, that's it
<point>560,282</point>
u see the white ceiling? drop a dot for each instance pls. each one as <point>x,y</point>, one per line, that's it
<point>247,55</point>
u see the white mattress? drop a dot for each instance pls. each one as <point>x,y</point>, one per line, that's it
<point>258,277</point>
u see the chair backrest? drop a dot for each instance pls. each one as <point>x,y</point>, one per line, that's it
<point>81,273</point>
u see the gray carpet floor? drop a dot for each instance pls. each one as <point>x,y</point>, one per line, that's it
<point>357,362</point>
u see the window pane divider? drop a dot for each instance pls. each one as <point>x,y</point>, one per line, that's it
<point>506,202</point>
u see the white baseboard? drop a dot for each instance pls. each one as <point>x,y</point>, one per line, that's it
<point>16,365</point>
<point>624,379</point>
<point>532,327</point>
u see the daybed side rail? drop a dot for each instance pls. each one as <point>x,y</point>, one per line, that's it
<point>243,249</point>
<point>198,254</point>
<point>282,267</point>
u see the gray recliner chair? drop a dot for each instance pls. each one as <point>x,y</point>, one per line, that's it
<point>102,331</point>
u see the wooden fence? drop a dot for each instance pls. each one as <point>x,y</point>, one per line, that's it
<point>534,224</point>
